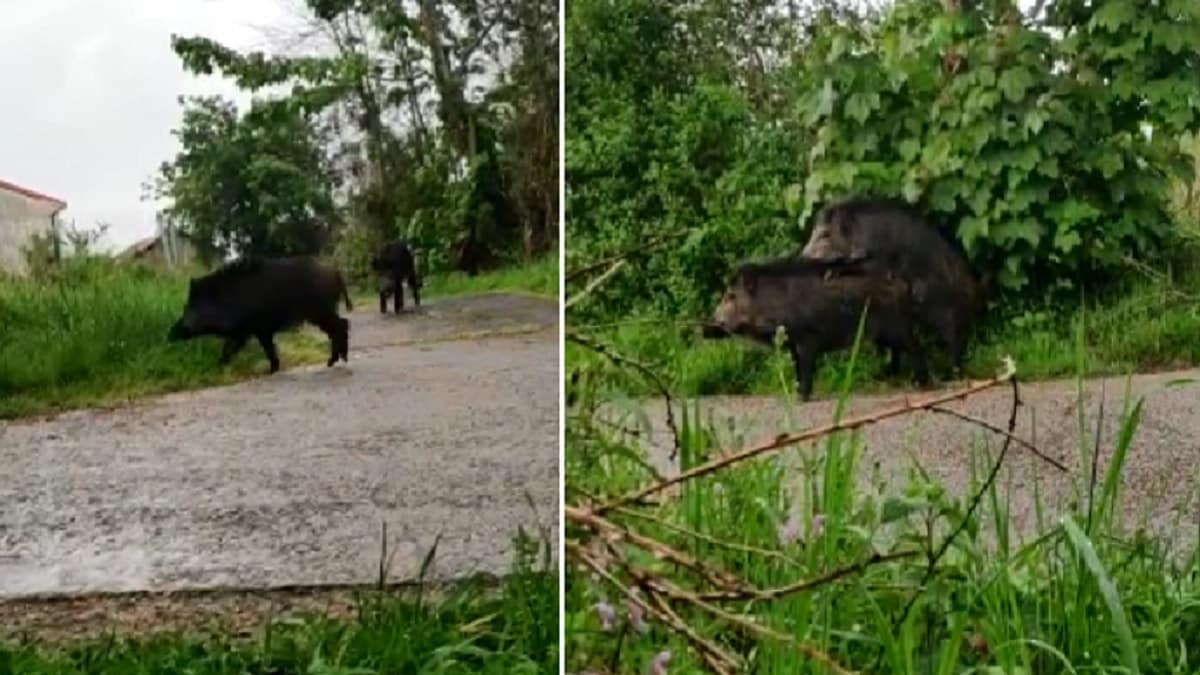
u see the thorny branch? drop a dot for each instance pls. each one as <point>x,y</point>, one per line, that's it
<point>718,659</point>
<point>657,381</point>
<point>784,440</point>
<point>995,429</point>
<point>594,284</point>
<point>640,248</point>
<point>973,505</point>
<point>726,586</point>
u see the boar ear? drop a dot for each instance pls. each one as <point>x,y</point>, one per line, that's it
<point>750,282</point>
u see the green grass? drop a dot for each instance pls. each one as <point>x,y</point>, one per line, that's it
<point>95,334</point>
<point>468,628</point>
<point>1144,326</point>
<point>1081,595</point>
<point>539,278</point>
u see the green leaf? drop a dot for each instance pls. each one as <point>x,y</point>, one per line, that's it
<point>859,106</point>
<point>909,148</point>
<point>1065,240</point>
<point>826,99</point>
<point>897,508</point>
<point>1014,82</point>
<point>1108,591</point>
<point>1114,14</point>
<point>972,228</point>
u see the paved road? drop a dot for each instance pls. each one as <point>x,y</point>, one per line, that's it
<point>432,427</point>
<point>1159,481</point>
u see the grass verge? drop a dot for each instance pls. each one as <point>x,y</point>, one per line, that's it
<point>539,278</point>
<point>801,566</point>
<point>467,628</point>
<point>94,334</point>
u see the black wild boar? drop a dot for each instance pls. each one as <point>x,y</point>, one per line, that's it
<point>395,264</point>
<point>889,238</point>
<point>260,297</point>
<point>819,308</point>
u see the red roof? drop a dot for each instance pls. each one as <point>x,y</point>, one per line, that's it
<point>26,192</point>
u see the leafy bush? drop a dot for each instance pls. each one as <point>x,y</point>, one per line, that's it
<point>1047,147</point>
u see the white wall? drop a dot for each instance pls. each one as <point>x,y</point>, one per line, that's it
<point>20,219</point>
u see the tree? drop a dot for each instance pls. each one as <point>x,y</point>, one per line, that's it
<point>253,183</point>
<point>439,118</point>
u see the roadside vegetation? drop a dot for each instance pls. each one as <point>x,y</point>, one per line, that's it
<point>1058,148</point>
<point>362,129</point>
<point>791,565</point>
<point>695,158</point>
<point>468,627</point>
<point>92,332</point>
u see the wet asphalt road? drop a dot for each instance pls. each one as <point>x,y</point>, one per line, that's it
<point>443,422</point>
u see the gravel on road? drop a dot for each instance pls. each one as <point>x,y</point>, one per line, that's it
<point>444,422</point>
<point>1159,482</point>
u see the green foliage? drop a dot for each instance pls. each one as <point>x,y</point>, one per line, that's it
<point>1061,598</point>
<point>469,627</point>
<point>256,183</point>
<point>1029,142</point>
<point>484,170</point>
<point>95,332</point>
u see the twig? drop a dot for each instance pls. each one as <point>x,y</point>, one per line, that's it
<point>640,248</point>
<point>809,584</point>
<point>622,360</point>
<point>716,577</point>
<point>648,580</point>
<point>972,506</point>
<point>1028,445</point>
<point>708,539</point>
<point>594,284</point>
<point>784,440</point>
<point>713,662</point>
<point>670,619</point>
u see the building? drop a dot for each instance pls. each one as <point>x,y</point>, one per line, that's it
<point>157,251</point>
<point>168,248</point>
<point>24,215</point>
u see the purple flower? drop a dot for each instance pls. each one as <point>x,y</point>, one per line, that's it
<point>788,531</point>
<point>818,524</point>
<point>607,615</point>
<point>658,665</point>
<point>637,616</point>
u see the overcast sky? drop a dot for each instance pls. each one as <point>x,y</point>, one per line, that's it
<point>89,92</point>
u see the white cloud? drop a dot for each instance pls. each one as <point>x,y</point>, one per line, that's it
<point>90,88</point>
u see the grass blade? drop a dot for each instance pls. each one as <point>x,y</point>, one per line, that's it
<point>1108,591</point>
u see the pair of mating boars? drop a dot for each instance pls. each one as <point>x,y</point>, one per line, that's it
<point>864,253</point>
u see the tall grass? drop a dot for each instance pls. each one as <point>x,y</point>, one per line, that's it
<point>539,277</point>
<point>1080,595</point>
<point>94,332</point>
<point>467,628</point>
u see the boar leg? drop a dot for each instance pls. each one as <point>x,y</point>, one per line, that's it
<point>337,330</point>
<point>233,345</point>
<point>267,340</point>
<point>383,297</point>
<point>398,289</point>
<point>805,360</point>
<point>344,339</point>
<point>415,285</point>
